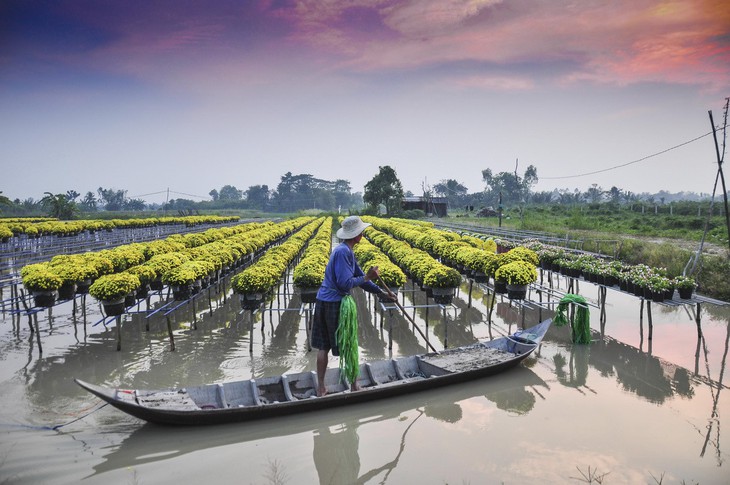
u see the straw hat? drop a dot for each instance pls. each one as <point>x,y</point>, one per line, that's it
<point>352,227</point>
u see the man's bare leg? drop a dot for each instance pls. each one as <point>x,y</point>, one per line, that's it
<point>322,358</point>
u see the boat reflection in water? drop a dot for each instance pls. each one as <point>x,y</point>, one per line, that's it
<point>514,390</point>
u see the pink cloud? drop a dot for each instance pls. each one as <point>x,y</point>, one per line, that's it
<point>615,42</point>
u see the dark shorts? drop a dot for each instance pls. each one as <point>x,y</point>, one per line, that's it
<point>324,325</point>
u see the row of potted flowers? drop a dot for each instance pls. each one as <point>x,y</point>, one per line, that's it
<point>512,271</point>
<point>437,279</point>
<point>40,227</point>
<point>148,262</point>
<point>369,255</point>
<point>640,279</point>
<point>260,278</point>
<point>308,274</point>
<point>191,269</point>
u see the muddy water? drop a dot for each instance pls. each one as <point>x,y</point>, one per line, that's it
<point>624,409</point>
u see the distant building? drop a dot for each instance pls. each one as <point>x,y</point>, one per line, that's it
<point>433,206</point>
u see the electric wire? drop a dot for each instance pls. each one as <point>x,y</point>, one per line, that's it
<point>629,163</point>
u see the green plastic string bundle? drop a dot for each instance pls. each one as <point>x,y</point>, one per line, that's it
<point>581,324</point>
<point>347,339</point>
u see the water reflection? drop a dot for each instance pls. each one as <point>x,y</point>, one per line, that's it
<point>216,347</point>
<point>150,443</point>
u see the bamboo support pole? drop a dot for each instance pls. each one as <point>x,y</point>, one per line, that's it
<point>407,316</point>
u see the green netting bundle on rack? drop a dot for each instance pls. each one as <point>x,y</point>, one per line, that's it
<point>581,324</point>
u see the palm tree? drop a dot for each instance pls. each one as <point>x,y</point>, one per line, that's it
<point>59,206</point>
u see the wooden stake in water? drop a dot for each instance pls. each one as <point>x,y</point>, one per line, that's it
<point>408,317</point>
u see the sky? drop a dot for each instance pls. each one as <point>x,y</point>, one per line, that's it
<point>189,96</point>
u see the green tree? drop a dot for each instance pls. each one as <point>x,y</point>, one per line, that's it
<point>614,194</point>
<point>230,192</point>
<point>213,195</point>
<point>454,191</point>
<point>257,196</point>
<point>59,206</point>
<point>594,194</point>
<point>4,200</point>
<point>113,200</point>
<point>386,189</point>
<point>89,202</point>
<point>515,189</point>
<point>134,205</point>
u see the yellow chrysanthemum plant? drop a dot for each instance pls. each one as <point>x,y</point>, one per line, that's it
<point>442,276</point>
<point>517,273</point>
<point>144,272</point>
<point>254,279</point>
<point>368,255</point>
<point>39,277</point>
<point>442,282</point>
<point>112,287</point>
<point>5,233</point>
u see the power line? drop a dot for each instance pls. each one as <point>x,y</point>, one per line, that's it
<point>164,192</point>
<point>189,195</point>
<point>145,195</point>
<point>629,163</point>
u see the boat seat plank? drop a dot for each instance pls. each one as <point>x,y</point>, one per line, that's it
<point>383,371</point>
<point>271,390</point>
<point>364,379</point>
<point>408,367</point>
<point>222,396</point>
<point>332,381</point>
<point>206,397</point>
<point>239,394</point>
<point>302,385</point>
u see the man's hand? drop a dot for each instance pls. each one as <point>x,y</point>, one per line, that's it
<point>388,295</point>
<point>372,274</point>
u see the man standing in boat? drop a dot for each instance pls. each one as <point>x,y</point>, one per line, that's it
<point>341,275</point>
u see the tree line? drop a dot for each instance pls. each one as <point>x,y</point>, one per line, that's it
<point>382,194</point>
<point>293,193</point>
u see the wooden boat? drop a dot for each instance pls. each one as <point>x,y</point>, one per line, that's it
<point>293,393</point>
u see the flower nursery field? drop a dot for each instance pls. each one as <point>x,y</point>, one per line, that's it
<point>639,408</point>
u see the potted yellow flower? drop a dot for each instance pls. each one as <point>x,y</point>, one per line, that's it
<point>112,289</point>
<point>518,275</point>
<point>181,280</point>
<point>443,282</point>
<point>253,283</point>
<point>42,283</point>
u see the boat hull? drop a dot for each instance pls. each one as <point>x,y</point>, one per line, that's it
<point>160,406</point>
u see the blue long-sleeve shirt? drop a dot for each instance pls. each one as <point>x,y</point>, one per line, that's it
<point>342,274</point>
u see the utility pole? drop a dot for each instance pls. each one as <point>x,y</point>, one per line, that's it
<point>720,159</point>
<point>499,208</point>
